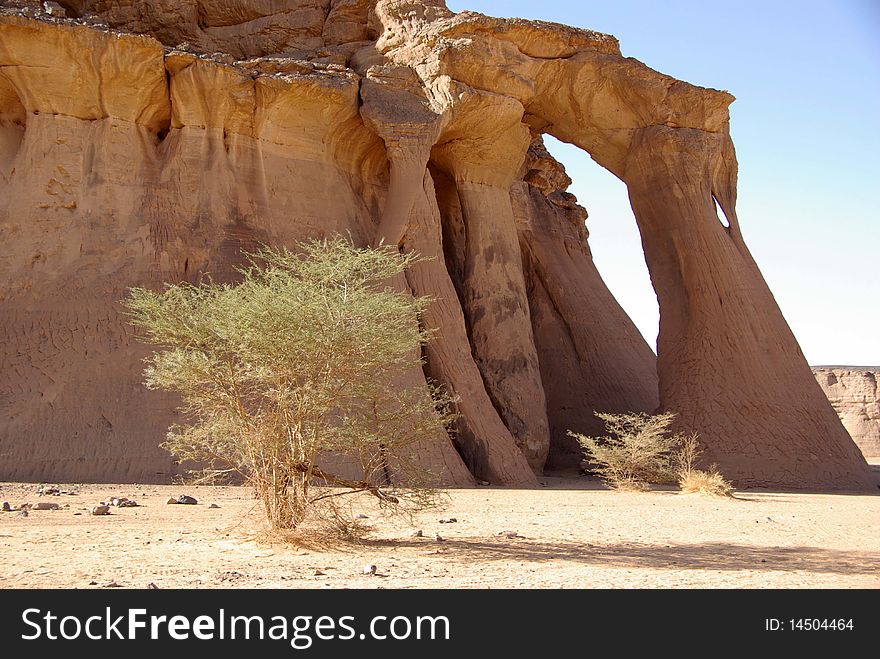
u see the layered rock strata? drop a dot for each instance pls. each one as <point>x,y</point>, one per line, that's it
<point>854,394</point>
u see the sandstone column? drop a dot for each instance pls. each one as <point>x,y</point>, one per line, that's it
<point>485,443</point>
<point>483,158</point>
<point>498,310</point>
<point>411,219</point>
<point>729,365</point>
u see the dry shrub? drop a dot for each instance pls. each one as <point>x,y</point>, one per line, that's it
<point>710,483</point>
<point>697,481</point>
<point>637,450</point>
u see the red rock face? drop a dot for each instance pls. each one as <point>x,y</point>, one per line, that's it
<point>854,394</point>
<point>728,363</point>
<point>194,129</point>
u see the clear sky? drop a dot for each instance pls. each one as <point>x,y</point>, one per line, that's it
<point>806,125</point>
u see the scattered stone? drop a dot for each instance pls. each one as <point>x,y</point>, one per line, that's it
<point>112,584</point>
<point>451,520</point>
<point>318,573</point>
<point>440,538</point>
<point>45,505</point>
<point>171,500</point>
<point>361,516</point>
<point>123,502</point>
<point>510,535</point>
<point>186,500</point>
<point>6,507</point>
<point>93,583</point>
<point>213,505</point>
<point>54,9</point>
<point>152,586</point>
<point>77,513</point>
<point>48,491</point>
<point>23,513</point>
<point>483,483</point>
<point>230,576</point>
<point>418,534</point>
<point>25,506</point>
<point>101,509</point>
<point>369,569</point>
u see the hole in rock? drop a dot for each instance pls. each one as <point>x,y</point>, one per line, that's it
<point>614,236</point>
<point>577,384</point>
<point>720,214</point>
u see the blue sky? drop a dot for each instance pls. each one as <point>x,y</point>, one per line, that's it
<point>806,125</point>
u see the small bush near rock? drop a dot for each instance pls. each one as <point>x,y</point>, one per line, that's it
<point>705,482</point>
<point>637,450</point>
<point>697,481</point>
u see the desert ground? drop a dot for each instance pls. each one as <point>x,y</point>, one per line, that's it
<point>571,533</point>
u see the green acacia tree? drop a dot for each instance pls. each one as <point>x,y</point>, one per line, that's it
<point>299,360</point>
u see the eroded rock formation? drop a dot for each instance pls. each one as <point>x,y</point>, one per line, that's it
<point>855,396</point>
<point>144,141</point>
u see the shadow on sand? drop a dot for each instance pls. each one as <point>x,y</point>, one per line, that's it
<point>705,556</point>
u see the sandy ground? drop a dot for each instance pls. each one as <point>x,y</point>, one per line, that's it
<point>571,534</point>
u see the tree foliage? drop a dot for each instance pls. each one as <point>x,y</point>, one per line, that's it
<point>300,360</point>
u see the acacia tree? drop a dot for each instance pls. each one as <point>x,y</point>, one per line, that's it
<point>299,360</point>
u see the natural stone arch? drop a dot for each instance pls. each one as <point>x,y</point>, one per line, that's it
<point>728,364</point>
<point>400,90</point>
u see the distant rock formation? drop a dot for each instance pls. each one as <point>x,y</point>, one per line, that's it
<point>855,396</point>
<point>148,141</point>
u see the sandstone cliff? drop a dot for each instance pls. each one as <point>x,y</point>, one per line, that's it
<point>145,141</point>
<point>853,392</point>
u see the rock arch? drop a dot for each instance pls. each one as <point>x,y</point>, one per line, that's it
<point>728,363</point>
<point>396,121</point>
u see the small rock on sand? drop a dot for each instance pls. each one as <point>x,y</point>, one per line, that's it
<point>54,9</point>
<point>23,513</point>
<point>213,505</point>
<point>102,509</point>
<point>6,507</point>
<point>369,569</point>
<point>171,500</point>
<point>186,500</point>
<point>45,505</point>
